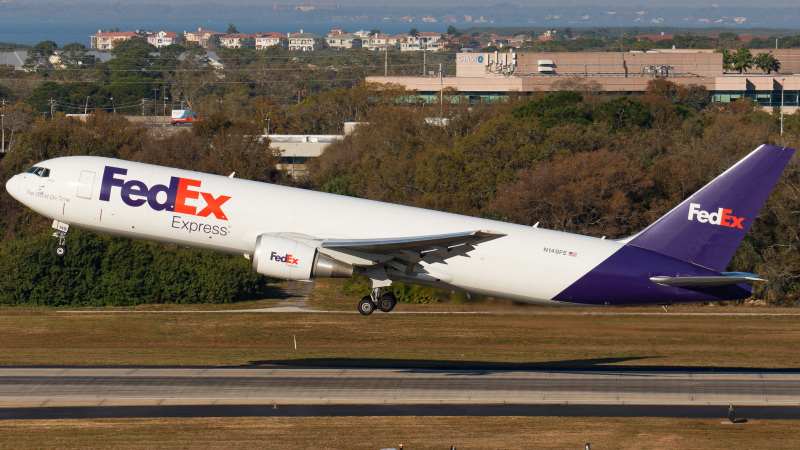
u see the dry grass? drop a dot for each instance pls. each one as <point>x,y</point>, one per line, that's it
<point>513,340</point>
<point>412,432</point>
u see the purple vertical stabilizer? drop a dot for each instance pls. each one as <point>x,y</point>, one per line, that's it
<point>707,228</point>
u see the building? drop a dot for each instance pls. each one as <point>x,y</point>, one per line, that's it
<point>201,37</point>
<point>234,40</point>
<point>162,39</point>
<point>107,41</point>
<point>264,40</point>
<point>15,59</point>
<point>343,41</point>
<point>490,76</point>
<point>306,42</point>
<point>378,42</point>
<point>425,40</point>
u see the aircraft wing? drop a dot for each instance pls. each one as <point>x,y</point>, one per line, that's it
<point>411,250</point>
<point>706,282</point>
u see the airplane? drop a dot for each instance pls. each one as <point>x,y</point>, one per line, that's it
<point>298,234</point>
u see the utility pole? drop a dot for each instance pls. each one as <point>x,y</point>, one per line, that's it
<point>155,102</point>
<point>385,56</point>
<point>86,108</point>
<point>441,92</point>
<point>783,80</point>
<point>3,116</point>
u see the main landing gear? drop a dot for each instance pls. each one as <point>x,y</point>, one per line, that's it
<point>385,302</point>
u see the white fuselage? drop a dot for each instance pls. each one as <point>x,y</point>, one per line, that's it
<point>528,264</point>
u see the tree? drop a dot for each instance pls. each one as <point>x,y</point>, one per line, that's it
<point>742,60</point>
<point>453,31</point>
<point>413,32</point>
<point>727,59</point>
<point>39,56</point>
<point>232,29</point>
<point>622,113</point>
<point>767,62</point>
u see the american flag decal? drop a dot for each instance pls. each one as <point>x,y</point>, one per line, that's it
<point>575,254</point>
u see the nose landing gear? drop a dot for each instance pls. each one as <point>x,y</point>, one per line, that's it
<point>61,234</point>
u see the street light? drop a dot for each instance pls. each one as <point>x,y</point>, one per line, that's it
<point>86,108</point>
<point>113,106</point>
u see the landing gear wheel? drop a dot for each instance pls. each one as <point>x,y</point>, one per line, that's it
<point>387,302</point>
<point>60,250</point>
<point>365,306</point>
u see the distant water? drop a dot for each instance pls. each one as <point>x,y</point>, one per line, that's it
<point>62,33</point>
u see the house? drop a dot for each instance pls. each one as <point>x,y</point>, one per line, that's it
<point>162,39</point>
<point>378,42</point>
<point>107,41</point>
<point>14,59</point>
<point>306,42</point>
<point>201,37</point>
<point>425,40</point>
<point>344,41</point>
<point>233,40</point>
<point>264,40</point>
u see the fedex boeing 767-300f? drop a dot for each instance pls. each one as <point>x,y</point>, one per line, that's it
<point>297,234</point>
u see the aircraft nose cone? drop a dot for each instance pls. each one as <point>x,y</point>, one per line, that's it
<point>12,186</point>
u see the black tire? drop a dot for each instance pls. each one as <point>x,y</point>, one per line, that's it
<point>60,250</point>
<point>365,306</point>
<point>387,302</point>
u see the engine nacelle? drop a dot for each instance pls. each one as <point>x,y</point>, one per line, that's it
<point>288,259</point>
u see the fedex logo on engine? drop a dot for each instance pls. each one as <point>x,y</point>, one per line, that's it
<point>722,217</point>
<point>288,259</point>
<point>177,196</point>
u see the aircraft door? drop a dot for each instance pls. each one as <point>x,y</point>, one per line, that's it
<point>85,184</point>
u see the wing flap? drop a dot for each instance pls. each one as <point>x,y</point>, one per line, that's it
<point>413,249</point>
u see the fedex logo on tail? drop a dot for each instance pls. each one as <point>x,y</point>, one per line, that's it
<point>288,259</point>
<point>177,196</point>
<point>722,217</point>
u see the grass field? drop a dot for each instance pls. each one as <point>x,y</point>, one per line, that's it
<point>389,432</point>
<point>510,337</point>
<point>532,338</point>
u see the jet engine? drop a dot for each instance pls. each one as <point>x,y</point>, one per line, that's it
<point>288,259</point>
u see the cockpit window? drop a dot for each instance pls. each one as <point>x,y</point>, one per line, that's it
<point>39,171</point>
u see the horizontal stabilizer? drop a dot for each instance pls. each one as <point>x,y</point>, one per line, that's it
<point>706,282</point>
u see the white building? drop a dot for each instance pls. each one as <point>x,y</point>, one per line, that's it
<point>233,40</point>
<point>162,39</point>
<point>343,41</point>
<point>306,42</point>
<point>264,40</point>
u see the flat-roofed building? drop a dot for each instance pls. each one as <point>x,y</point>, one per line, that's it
<point>490,76</point>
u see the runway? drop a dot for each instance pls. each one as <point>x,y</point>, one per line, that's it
<point>84,386</point>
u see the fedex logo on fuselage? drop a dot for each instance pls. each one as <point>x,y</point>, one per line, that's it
<point>288,259</point>
<point>722,217</point>
<point>177,196</point>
